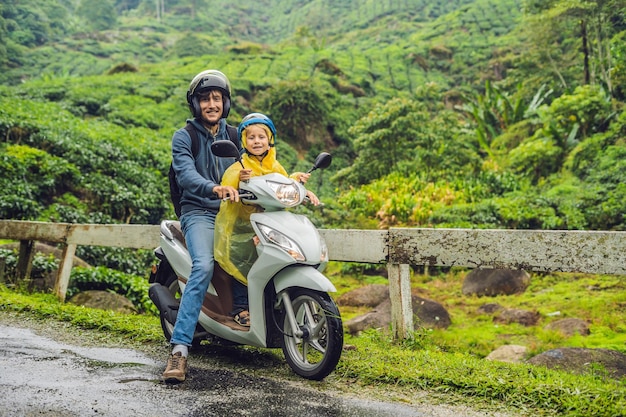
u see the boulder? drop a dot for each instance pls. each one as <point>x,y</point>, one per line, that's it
<point>489,308</point>
<point>367,296</point>
<point>508,353</point>
<point>493,282</point>
<point>513,315</point>
<point>569,327</point>
<point>583,360</point>
<point>103,300</point>
<point>428,314</point>
<point>378,318</point>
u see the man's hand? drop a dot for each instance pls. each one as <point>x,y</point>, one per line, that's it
<point>226,192</point>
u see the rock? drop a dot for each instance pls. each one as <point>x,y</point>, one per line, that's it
<point>492,282</point>
<point>569,327</point>
<point>375,319</point>
<point>103,300</point>
<point>508,353</point>
<point>582,360</point>
<point>512,315</point>
<point>428,314</point>
<point>368,296</point>
<point>489,308</point>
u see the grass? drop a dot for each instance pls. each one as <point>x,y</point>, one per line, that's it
<point>600,300</point>
<point>448,364</point>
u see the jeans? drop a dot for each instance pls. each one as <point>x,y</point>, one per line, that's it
<point>240,295</point>
<point>199,229</point>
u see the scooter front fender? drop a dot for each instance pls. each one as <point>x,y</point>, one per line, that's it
<point>302,276</point>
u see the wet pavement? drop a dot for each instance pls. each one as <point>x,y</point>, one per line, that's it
<point>40,376</point>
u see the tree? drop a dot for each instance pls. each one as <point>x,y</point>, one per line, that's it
<point>495,111</point>
<point>99,15</point>
<point>551,26</point>
<point>300,110</point>
<point>33,23</point>
<point>569,120</point>
<point>409,136</point>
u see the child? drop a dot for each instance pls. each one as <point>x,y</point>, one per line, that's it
<point>234,236</point>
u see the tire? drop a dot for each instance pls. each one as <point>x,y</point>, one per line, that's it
<point>172,284</point>
<point>315,355</point>
<point>168,328</point>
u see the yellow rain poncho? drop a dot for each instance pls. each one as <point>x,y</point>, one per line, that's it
<point>234,248</point>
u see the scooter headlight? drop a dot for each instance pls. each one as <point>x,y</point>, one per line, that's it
<point>323,252</point>
<point>288,194</point>
<point>282,241</point>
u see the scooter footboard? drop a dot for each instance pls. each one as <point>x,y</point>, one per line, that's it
<point>302,276</point>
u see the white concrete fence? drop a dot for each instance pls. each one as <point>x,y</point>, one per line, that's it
<point>595,252</point>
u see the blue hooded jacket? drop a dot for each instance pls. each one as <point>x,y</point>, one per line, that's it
<point>197,177</point>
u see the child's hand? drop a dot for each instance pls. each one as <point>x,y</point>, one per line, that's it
<point>313,198</point>
<point>245,174</point>
<point>304,178</point>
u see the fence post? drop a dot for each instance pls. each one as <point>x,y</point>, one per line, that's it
<point>65,269</point>
<point>400,295</point>
<point>2,270</point>
<point>25,260</point>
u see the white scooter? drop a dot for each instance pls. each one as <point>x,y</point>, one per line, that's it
<point>288,294</point>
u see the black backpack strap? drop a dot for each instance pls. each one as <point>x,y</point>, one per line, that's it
<point>195,144</point>
<point>233,136</point>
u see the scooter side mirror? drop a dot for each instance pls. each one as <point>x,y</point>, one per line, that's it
<point>322,161</point>
<point>226,149</point>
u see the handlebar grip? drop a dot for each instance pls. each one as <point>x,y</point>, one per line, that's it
<point>245,194</point>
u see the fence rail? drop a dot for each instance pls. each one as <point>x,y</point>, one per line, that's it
<point>596,252</point>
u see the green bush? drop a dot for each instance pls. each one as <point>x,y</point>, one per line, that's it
<point>42,265</point>
<point>115,171</point>
<point>536,158</point>
<point>133,287</point>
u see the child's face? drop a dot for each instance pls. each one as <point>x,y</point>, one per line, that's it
<point>257,142</point>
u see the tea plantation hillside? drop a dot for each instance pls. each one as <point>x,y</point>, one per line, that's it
<point>440,114</point>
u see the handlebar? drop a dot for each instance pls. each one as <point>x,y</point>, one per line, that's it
<point>242,194</point>
<point>245,194</point>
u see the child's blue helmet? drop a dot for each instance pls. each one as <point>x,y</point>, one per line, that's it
<point>253,119</point>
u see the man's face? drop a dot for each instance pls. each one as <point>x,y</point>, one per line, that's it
<point>211,106</point>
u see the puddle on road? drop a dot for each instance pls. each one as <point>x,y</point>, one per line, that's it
<point>46,377</point>
<point>24,341</point>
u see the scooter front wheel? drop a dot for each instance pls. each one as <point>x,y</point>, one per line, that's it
<point>315,353</point>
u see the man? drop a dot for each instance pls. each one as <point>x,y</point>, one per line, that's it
<point>199,178</point>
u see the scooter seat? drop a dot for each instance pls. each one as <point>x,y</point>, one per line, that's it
<point>177,232</point>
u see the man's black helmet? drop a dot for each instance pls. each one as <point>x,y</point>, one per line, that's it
<point>204,81</point>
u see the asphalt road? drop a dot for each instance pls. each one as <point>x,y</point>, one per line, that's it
<point>41,375</point>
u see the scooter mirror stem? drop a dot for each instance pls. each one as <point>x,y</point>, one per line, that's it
<point>322,161</point>
<point>226,149</point>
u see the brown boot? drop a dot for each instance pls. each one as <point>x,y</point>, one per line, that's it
<point>176,369</point>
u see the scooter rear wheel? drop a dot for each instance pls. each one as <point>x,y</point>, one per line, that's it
<point>174,289</point>
<point>316,353</point>
<point>168,328</point>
